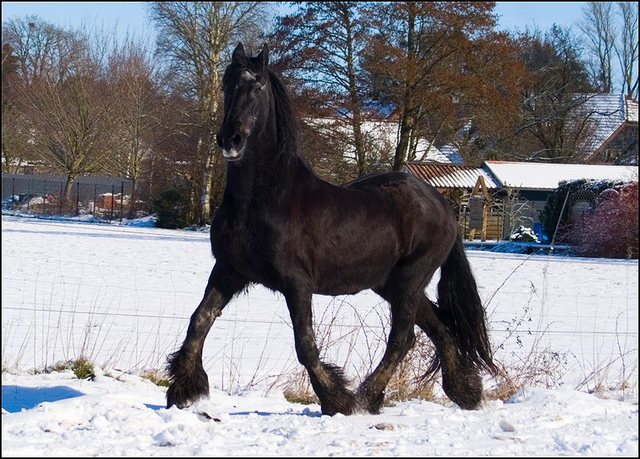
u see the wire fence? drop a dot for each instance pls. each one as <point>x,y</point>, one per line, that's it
<point>108,198</point>
<point>131,317</point>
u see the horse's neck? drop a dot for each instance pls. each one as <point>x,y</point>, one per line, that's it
<point>269,171</point>
<point>263,177</point>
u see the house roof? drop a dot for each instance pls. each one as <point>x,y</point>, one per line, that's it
<point>384,134</point>
<point>547,176</point>
<point>605,114</point>
<point>449,175</point>
<point>452,153</point>
<point>632,110</point>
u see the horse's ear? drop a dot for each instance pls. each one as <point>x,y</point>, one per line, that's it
<point>263,57</point>
<point>238,54</point>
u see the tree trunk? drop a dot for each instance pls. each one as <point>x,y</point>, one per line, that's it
<point>67,205</point>
<point>131,214</point>
<point>407,121</point>
<point>406,127</point>
<point>210,110</point>
<point>354,99</point>
<point>205,196</point>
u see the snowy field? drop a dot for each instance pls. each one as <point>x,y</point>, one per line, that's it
<point>122,296</point>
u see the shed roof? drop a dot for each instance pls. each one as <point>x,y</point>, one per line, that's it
<point>449,175</point>
<point>547,176</point>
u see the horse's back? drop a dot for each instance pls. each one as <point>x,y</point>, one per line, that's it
<point>423,215</point>
<point>378,179</point>
<point>405,190</point>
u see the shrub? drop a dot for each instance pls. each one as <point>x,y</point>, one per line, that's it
<point>550,214</point>
<point>171,208</point>
<point>611,229</point>
<point>81,367</point>
<point>523,234</point>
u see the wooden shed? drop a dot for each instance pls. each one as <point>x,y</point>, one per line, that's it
<point>473,194</point>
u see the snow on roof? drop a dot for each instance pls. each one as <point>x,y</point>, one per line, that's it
<point>546,176</point>
<point>632,110</point>
<point>384,134</point>
<point>605,112</point>
<point>449,175</point>
<point>452,153</point>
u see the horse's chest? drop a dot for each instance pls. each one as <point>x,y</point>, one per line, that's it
<point>243,245</point>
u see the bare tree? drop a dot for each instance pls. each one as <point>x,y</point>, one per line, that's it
<point>33,51</point>
<point>135,107</point>
<point>193,37</point>
<point>71,117</point>
<point>42,50</point>
<point>627,48</point>
<point>553,125</point>
<point>424,66</point>
<point>15,128</point>
<point>321,43</point>
<point>599,28</point>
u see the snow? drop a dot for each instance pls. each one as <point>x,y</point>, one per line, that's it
<point>123,294</point>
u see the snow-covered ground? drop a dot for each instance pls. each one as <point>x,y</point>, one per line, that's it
<point>122,296</point>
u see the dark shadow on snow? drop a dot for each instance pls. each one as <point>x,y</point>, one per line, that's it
<point>305,413</point>
<point>154,407</point>
<point>16,398</point>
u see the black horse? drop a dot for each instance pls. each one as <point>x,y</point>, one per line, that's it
<point>282,226</point>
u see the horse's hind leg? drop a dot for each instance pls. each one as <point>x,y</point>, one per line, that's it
<point>328,381</point>
<point>401,340</point>
<point>188,379</point>
<point>460,380</point>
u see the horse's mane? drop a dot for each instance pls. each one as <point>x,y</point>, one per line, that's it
<point>286,122</point>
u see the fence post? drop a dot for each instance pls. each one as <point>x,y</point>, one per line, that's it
<point>77,198</point>
<point>44,196</point>
<point>553,240</point>
<point>28,195</point>
<point>113,189</point>
<point>13,191</point>
<point>121,198</point>
<point>60,200</point>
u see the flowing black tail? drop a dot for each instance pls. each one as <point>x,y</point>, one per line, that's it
<point>460,309</point>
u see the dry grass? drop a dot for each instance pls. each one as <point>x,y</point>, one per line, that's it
<point>156,376</point>
<point>408,381</point>
<point>82,367</point>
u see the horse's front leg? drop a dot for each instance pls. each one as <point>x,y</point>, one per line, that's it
<point>328,381</point>
<point>189,381</point>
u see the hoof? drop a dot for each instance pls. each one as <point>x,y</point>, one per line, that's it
<point>343,403</point>
<point>466,392</point>
<point>184,392</point>
<point>181,400</point>
<point>189,381</point>
<point>368,401</point>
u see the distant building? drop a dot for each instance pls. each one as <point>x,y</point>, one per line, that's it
<point>514,187</point>
<point>612,120</point>
<point>381,137</point>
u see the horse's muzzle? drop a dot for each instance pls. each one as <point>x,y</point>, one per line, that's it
<point>233,154</point>
<point>233,148</point>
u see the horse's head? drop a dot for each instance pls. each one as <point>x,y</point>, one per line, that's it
<point>245,100</point>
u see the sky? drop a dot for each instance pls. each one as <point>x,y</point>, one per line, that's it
<point>132,16</point>
<point>122,296</point>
